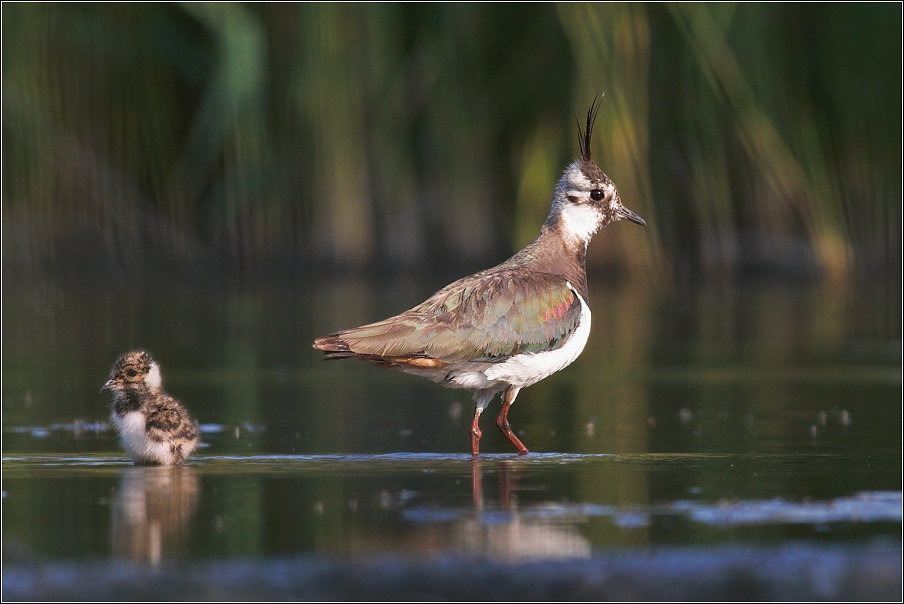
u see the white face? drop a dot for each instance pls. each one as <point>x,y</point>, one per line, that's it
<point>582,204</point>
<point>581,221</point>
<point>153,379</point>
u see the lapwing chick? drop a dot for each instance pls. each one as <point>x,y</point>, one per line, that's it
<point>510,326</point>
<point>153,427</point>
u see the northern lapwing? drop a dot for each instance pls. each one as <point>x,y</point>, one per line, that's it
<point>153,427</point>
<point>509,326</point>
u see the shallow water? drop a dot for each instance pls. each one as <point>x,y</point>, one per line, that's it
<point>544,506</point>
<point>764,417</point>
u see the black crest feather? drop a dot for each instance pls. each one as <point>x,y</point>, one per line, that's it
<point>584,135</point>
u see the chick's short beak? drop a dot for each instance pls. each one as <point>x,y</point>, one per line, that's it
<point>108,386</point>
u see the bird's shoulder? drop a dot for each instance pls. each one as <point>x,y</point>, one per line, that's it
<point>490,294</point>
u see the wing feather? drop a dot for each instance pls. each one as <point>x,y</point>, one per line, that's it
<point>487,317</point>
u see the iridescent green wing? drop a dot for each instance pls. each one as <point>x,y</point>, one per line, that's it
<point>487,317</point>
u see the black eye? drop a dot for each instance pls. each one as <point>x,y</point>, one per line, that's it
<point>132,373</point>
<point>596,195</point>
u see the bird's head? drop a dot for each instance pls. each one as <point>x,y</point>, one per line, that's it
<point>586,200</point>
<point>134,371</point>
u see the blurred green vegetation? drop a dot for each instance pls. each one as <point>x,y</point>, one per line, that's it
<point>755,139</point>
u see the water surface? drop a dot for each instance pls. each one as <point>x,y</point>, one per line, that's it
<point>768,416</point>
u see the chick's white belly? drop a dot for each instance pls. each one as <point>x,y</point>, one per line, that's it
<point>139,447</point>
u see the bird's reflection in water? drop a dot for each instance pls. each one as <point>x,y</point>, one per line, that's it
<point>508,474</point>
<point>504,531</point>
<point>151,512</point>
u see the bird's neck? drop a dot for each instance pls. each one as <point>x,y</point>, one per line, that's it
<point>130,400</point>
<point>555,251</point>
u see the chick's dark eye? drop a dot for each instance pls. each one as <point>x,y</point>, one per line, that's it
<point>596,195</point>
<point>132,373</point>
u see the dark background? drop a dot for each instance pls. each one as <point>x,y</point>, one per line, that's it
<point>179,141</point>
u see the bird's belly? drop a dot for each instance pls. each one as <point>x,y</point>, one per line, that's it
<point>463,374</point>
<point>139,447</point>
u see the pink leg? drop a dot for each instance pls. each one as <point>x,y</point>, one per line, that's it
<point>508,397</point>
<point>475,432</point>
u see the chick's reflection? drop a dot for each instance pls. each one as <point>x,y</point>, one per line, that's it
<point>152,510</point>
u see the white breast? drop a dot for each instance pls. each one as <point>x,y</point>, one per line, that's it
<point>524,369</point>
<point>133,433</point>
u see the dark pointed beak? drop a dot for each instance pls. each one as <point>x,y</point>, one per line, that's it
<point>108,386</point>
<point>627,214</point>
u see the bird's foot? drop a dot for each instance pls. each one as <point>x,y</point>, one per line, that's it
<point>503,424</point>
